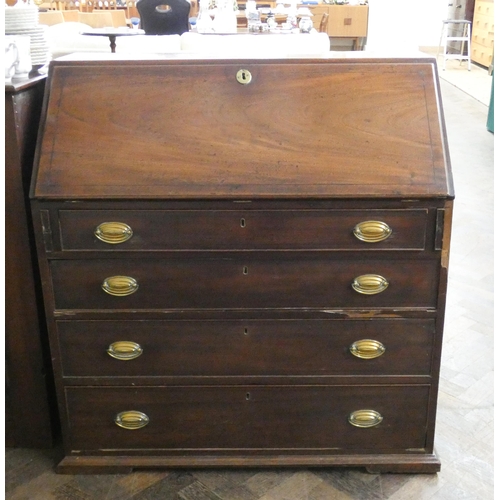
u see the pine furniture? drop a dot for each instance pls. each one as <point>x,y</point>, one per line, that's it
<point>483,33</point>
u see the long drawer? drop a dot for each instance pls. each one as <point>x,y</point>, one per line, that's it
<point>245,281</point>
<point>242,229</point>
<point>242,418</point>
<point>245,348</point>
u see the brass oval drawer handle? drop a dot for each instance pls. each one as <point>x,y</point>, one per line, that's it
<point>113,232</point>
<point>372,231</point>
<point>365,418</point>
<point>120,286</point>
<point>124,350</point>
<point>131,419</point>
<point>367,349</point>
<point>370,284</point>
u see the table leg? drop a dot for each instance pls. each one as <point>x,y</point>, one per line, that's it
<point>112,39</point>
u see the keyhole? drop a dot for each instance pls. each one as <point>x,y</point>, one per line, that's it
<point>243,223</point>
<point>244,76</point>
<point>245,331</point>
<point>245,270</point>
<point>248,396</point>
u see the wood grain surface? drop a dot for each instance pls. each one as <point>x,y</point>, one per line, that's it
<point>301,128</point>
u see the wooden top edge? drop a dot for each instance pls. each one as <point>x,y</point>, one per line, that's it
<point>220,58</point>
<point>17,85</point>
<point>42,196</point>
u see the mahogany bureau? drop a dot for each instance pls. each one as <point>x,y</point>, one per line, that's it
<point>245,261</point>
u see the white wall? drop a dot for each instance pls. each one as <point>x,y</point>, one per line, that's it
<point>405,24</point>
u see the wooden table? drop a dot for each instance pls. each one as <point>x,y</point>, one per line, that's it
<point>112,33</point>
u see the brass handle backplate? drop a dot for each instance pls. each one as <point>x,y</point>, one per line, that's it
<point>120,286</point>
<point>124,350</point>
<point>113,232</point>
<point>370,284</point>
<point>365,418</point>
<point>367,349</point>
<point>131,419</point>
<point>372,231</point>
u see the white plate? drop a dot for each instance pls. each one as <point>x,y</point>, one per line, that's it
<point>24,15</point>
<point>22,28</point>
<point>34,27</point>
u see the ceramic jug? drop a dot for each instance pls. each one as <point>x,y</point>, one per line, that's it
<point>11,57</point>
<point>23,66</point>
<point>306,24</point>
<point>204,22</point>
<point>225,18</point>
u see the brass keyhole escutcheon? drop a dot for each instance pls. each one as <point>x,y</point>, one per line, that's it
<point>244,76</point>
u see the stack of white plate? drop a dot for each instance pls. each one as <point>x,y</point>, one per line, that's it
<point>39,45</point>
<point>22,19</point>
<point>21,15</point>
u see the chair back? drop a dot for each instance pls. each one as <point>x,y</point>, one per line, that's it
<point>118,17</point>
<point>96,19</point>
<point>70,4</point>
<point>130,9</point>
<point>174,21</point>
<point>70,16</point>
<point>323,25</point>
<point>104,4</point>
<point>62,5</point>
<point>50,17</point>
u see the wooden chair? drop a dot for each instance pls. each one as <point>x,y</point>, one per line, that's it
<point>53,5</point>
<point>193,11</point>
<point>86,5</point>
<point>118,17</point>
<point>130,9</point>
<point>70,16</point>
<point>96,19</point>
<point>51,17</point>
<point>105,5</point>
<point>44,6</point>
<point>174,21</point>
<point>69,4</point>
<point>323,25</point>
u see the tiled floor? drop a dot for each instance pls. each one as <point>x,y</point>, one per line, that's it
<point>476,82</point>
<point>464,437</point>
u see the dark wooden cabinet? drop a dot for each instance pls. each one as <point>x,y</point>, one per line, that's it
<point>28,413</point>
<point>251,274</point>
<point>459,9</point>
